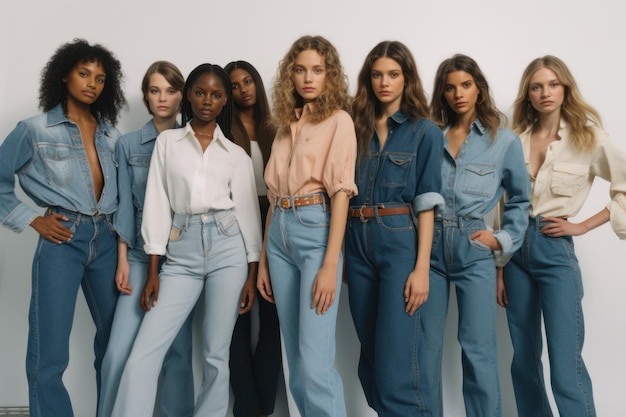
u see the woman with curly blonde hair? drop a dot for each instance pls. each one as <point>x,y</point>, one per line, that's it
<point>310,179</point>
<point>565,148</point>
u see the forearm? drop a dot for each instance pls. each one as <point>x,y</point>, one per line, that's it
<point>338,218</point>
<point>596,220</point>
<point>425,230</point>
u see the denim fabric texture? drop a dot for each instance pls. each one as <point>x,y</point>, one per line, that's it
<point>46,153</point>
<point>381,253</point>
<point>543,279</point>
<point>296,245</point>
<point>87,261</point>
<point>473,183</point>
<point>205,252</point>
<point>133,152</point>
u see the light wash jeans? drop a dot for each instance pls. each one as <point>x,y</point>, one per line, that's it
<point>296,245</point>
<point>177,394</point>
<point>205,251</point>
<point>380,255</point>
<point>543,278</point>
<point>471,267</point>
<point>87,261</point>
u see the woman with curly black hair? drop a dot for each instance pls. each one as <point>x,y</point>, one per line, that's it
<point>64,160</point>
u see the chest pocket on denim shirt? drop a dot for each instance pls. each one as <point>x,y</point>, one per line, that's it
<point>59,161</point>
<point>480,180</point>
<point>395,169</point>
<point>567,178</point>
<point>140,165</point>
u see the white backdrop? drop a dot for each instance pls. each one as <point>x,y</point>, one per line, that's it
<point>502,36</point>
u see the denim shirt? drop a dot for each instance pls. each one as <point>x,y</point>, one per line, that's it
<point>406,170</point>
<point>46,153</point>
<point>133,152</point>
<point>474,183</point>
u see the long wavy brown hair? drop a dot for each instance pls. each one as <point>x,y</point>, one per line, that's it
<point>486,110</point>
<point>575,111</point>
<point>334,95</point>
<point>366,107</point>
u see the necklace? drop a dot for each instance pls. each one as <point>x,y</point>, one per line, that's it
<point>209,135</point>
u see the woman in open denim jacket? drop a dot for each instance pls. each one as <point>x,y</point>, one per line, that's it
<point>480,163</point>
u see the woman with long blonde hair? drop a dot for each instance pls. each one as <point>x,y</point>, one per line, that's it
<point>565,148</point>
<point>310,179</point>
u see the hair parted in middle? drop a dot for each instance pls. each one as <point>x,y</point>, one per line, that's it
<point>334,96</point>
<point>575,111</point>
<point>169,71</point>
<point>225,118</point>
<point>366,107</point>
<point>261,110</point>
<point>486,110</point>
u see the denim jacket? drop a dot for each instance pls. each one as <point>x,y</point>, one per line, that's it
<point>133,152</point>
<point>474,182</point>
<point>46,153</point>
<point>406,170</point>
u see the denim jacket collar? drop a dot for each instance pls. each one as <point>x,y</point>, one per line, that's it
<point>149,131</point>
<point>399,117</point>
<point>476,126</point>
<point>57,115</point>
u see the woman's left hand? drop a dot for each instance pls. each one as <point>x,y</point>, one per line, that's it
<point>416,290</point>
<point>248,294</point>
<point>558,227</point>
<point>324,289</point>
<point>487,238</point>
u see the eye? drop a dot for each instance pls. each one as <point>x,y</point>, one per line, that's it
<point>100,80</point>
<point>376,75</point>
<point>448,89</point>
<point>236,86</point>
<point>298,70</point>
<point>394,75</point>
<point>82,74</point>
<point>467,84</point>
<point>154,91</point>
<point>554,84</point>
<point>534,88</point>
<point>171,91</point>
<point>248,81</point>
<point>318,70</point>
<point>199,93</point>
<point>217,95</point>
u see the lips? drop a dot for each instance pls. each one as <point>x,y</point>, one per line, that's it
<point>89,93</point>
<point>309,89</point>
<point>547,103</point>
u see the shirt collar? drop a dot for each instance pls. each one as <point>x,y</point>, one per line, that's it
<point>478,125</point>
<point>304,110</point>
<point>399,117</point>
<point>149,131</point>
<point>218,136</point>
<point>57,115</point>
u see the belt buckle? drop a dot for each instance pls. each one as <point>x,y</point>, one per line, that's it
<point>284,202</point>
<point>361,215</point>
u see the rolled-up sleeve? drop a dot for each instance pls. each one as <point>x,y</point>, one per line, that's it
<point>339,169</point>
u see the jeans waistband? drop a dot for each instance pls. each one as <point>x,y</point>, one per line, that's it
<point>539,222</point>
<point>97,216</point>
<point>459,221</point>
<point>211,216</point>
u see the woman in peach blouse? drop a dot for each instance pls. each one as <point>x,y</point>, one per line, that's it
<point>310,179</point>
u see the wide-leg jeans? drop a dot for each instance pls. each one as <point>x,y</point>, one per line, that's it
<point>543,279</point>
<point>88,261</point>
<point>205,251</point>
<point>296,246</point>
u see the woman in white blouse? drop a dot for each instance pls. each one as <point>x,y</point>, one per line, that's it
<point>565,148</point>
<point>201,211</point>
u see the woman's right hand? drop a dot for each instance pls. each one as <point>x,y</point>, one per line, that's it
<point>151,288</point>
<point>263,283</point>
<point>123,269</point>
<point>50,228</point>
<point>501,296</point>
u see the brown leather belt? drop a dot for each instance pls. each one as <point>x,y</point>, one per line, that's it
<point>369,212</point>
<point>289,202</point>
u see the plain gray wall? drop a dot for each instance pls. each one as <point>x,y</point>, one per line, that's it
<point>503,36</point>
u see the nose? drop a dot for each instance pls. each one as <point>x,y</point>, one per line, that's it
<point>307,77</point>
<point>545,93</point>
<point>91,82</point>
<point>384,81</point>
<point>162,96</point>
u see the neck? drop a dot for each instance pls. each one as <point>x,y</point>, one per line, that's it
<point>386,110</point>
<point>78,111</point>
<point>203,128</point>
<point>465,121</point>
<point>164,123</point>
<point>548,121</point>
<point>247,114</point>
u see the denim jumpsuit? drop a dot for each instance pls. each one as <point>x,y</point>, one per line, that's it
<point>46,152</point>
<point>473,183</point>
<point>133,152</point>
<point>381,252</point>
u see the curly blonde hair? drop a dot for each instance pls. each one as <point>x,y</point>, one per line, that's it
<point>576,112</point>
<point>334,95</point>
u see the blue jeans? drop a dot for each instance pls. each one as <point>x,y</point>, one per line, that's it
<point>380,255</point>
<point>471,267</point>
<point>543,278</point>
<point>296,245</point>
<point>177,395</point>
<point>205,252</point>
<point>87,261</point>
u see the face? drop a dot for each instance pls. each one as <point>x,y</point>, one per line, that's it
<point>85,82</point>
<point>387,81</point>
<point>244,88</point>
<point>545,92</point>
<point>309,74</point>
<point>163,99</point>
<point>461,92</point>
<point>207,97</point>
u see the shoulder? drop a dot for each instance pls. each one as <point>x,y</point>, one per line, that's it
<point>506,136</point>
<point>341,116</point>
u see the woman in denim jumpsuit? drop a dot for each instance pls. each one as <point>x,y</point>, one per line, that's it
<point>64,159</point>
<point>390,228</point>
<point>480,163</point>
<point>565,148</point>
<point>162,87</point>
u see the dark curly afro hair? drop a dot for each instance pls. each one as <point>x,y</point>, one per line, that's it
<point>54,91</point>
